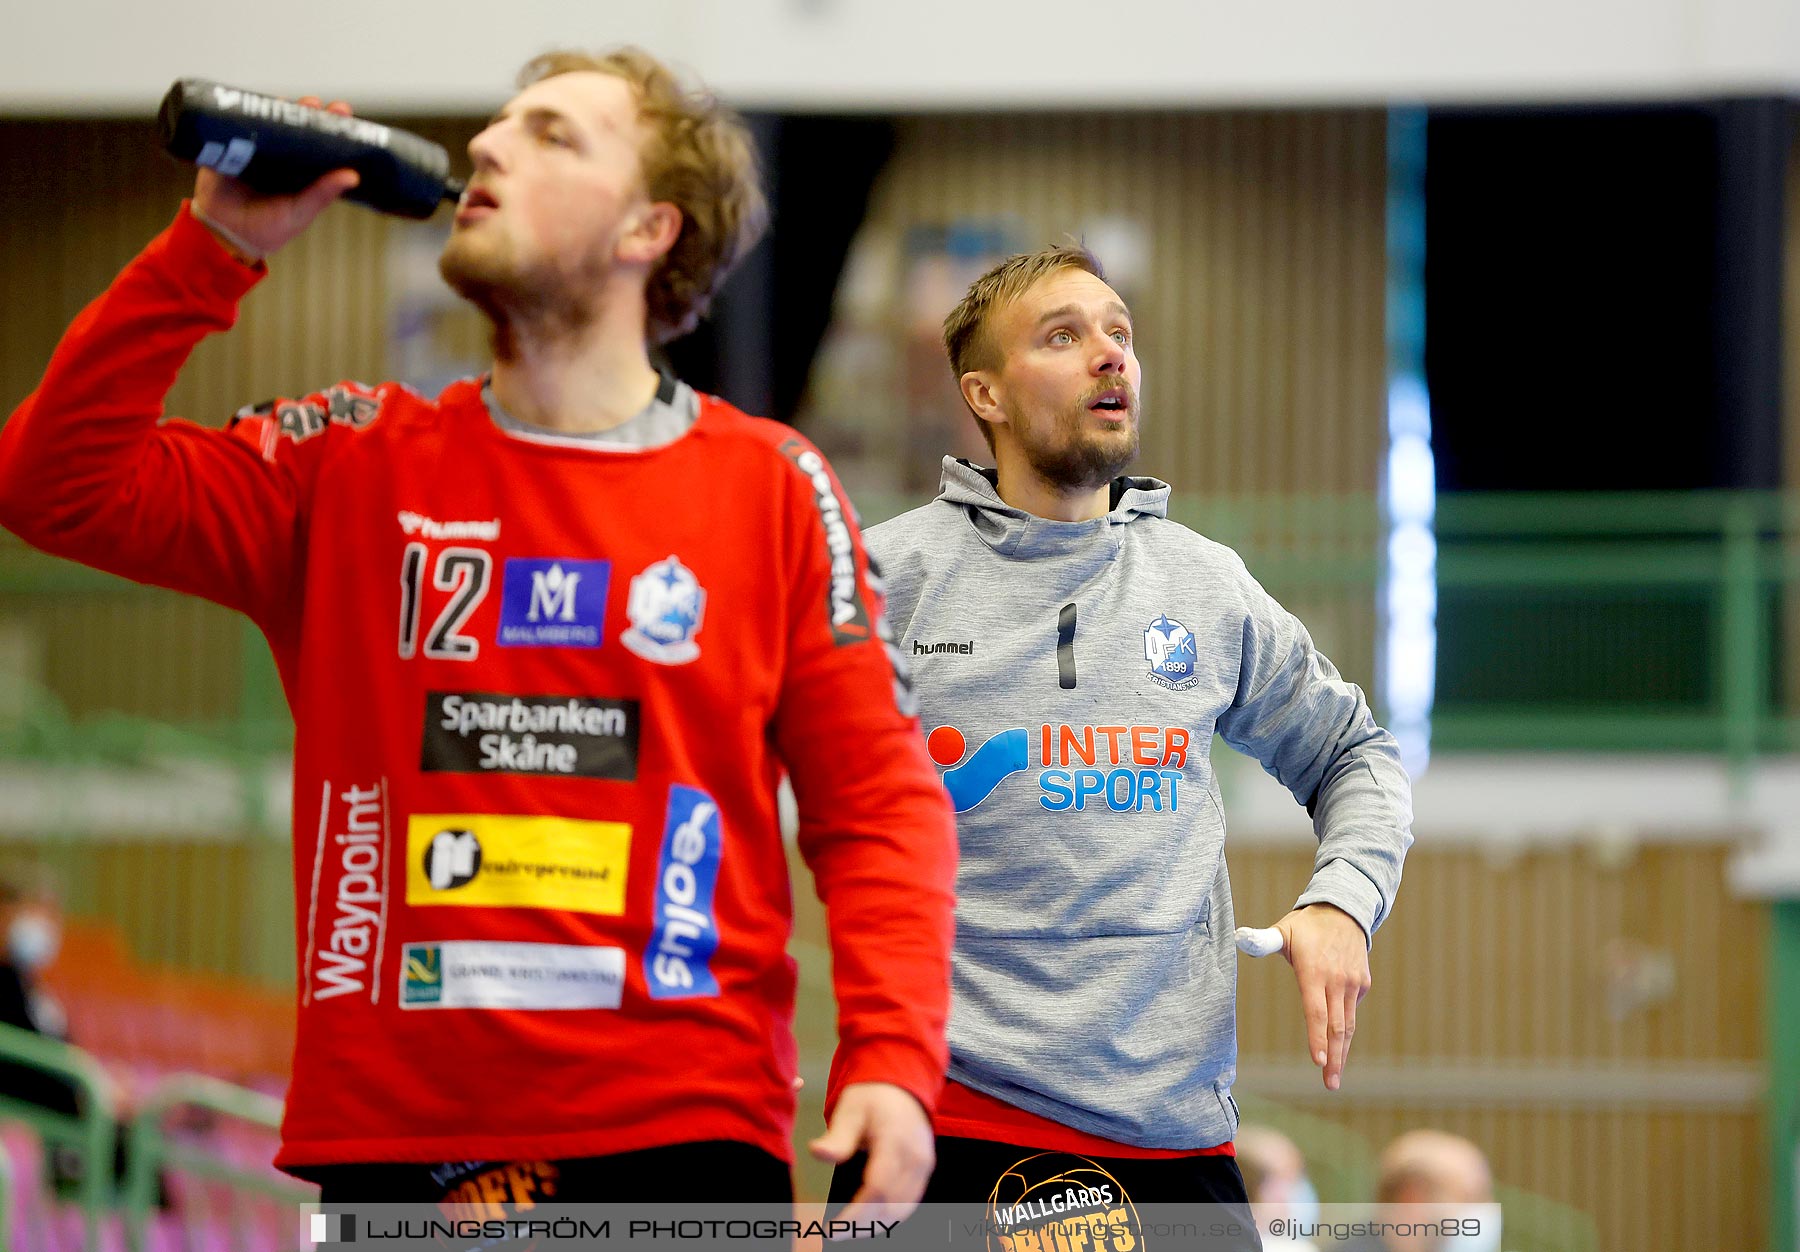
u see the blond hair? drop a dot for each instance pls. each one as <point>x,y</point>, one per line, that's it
<point>698,157</point>
<point>966,338</point>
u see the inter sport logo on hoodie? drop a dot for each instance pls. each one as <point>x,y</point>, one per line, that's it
<point>1125,768</point>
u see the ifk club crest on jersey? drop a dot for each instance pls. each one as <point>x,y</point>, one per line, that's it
<point>667,606</point>
<point>1170,649</point>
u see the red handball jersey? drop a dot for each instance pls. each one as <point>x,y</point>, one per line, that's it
<point>544,694</point>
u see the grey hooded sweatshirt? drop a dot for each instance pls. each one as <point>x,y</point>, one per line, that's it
<point>1070,677</point>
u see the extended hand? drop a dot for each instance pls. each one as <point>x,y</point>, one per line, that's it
<point>890,1125</point>
<point>1330,956</point>
<point>252,225</point>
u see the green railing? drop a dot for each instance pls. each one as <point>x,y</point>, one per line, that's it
<point>1623,622</point>
<point>1649,622</point>
<point>91,1131</point>
<point>153,1149</point>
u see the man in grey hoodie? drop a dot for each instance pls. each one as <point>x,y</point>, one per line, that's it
<point>1074,652</point>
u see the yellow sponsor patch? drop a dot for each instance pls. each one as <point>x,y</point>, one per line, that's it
<point>518,862</point>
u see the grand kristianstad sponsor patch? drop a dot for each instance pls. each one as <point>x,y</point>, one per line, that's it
<point>487,732</point>
<point>843,605</point>
<point>491,974</point>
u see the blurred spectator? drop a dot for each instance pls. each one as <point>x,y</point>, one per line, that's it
<point>1432,1174</point>
<point>31,924</point>
<point>1275,1176</point>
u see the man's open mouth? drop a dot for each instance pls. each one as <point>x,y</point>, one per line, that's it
<point>1113,400</point>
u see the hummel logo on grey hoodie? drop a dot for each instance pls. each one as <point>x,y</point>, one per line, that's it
<point>1095,971</point>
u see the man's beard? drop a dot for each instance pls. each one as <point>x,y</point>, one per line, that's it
<point>541,299</point>
<point>1077,457</point>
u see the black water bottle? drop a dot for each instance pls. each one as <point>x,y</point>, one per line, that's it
<point>278,147</point>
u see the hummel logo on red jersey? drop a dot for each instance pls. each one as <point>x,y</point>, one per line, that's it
<point>412,524</point>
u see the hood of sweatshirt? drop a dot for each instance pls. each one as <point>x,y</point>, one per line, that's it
<point>1014,532</point>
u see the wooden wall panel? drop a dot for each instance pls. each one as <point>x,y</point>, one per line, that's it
<point>222,906</point>
<point>1501,971</point>
<point>1260,322</point>
<point>1512,959</point>
<point>1493,976</point>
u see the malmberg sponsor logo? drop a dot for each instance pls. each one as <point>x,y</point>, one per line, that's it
<point>553,602</point>
<point>849,622</point>
<point>472,732</point>
<point>417,524</point>
<point>352,899</point>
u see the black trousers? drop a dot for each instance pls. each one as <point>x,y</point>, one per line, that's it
<point>1000,1176</point>
<point>712,1172</point>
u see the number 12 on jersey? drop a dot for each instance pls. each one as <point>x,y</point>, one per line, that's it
<point>466,574</point>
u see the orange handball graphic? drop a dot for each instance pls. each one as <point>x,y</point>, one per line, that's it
<point>1060,1202</point>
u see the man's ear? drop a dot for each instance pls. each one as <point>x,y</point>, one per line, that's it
<point>980,391</point>
<point>650,235</point>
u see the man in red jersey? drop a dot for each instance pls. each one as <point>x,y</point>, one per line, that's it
<point>550,640</point>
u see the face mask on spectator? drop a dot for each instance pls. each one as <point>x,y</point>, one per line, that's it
<point>32,942</point>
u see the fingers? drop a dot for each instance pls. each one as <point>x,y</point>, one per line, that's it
<point>336,106</point>
<point>315,198</point>
<point>894,1179</point>
<point>332,185</point>
<point>1312,1006</point>
<point>1337,1038</point>
<point>842,1136</point>
<point>1329,994</point>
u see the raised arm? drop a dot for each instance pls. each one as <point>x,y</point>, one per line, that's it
<point>90,467</point>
